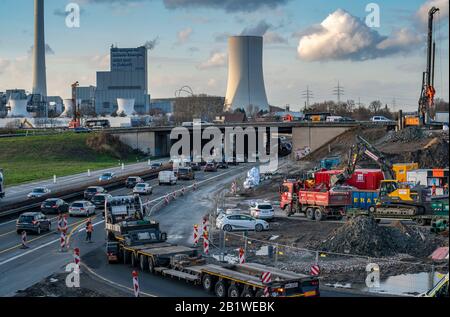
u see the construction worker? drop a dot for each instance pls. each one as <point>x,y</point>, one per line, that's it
<point>433,190</point>
<point>89,229</point>
<point>446,189</point>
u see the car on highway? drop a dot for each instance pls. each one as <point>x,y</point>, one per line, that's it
<point>240,222</point>
<point>185,173</point>
<point>82,130</point>
<point>99,199</point>
<point>106,177</point>
<point>167,177</point>
<point>210,167</point>
<point>222,165</point>
<point>262,210</point>
<point>155,166</point>
<point>380,119</point>
<point>196,166</point>
<point>82,208</point>
<point>143,189</point>
<point>347,119</point>
<point>91,191</point>
<point>39,192</point>
<point>54,205</point>
<point>33,221</point>
<point>132,181</point>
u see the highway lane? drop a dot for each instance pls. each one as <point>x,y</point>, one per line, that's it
<point>19,192</point>
<point>22,268</point>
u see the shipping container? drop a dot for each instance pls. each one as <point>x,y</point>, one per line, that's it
<point>401,170</point>
<point>330,162</point>
<point>323,177</point>
<point>366,179</point>
<point>363,199</point>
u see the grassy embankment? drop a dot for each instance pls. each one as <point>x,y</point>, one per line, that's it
<point>31,158</point>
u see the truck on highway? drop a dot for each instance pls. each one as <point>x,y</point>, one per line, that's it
<point>134,239</point>
<point>2,187</point>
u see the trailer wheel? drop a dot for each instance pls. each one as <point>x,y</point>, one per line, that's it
<point>125,256</point>
<point>247,293</point>
<point>143,262</point>
<point>310,213</point>
<point>151,265</point>
<point>220,289</point>
<point>233,291</point>
<point>421,221</point>
<point>372,209</point>
<point>318,215</point>
<point>207,283</point>
<point>134,260</point>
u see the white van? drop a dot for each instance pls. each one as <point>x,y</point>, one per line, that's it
<point>334,119</point>
<point>167,177</point>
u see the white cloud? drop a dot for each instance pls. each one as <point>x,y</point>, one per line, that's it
<point>274,38</point>
<point>217,59</point>
<point>184,35</point>
<point>342,36</point>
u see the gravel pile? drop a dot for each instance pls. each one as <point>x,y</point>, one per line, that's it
<point>363,236</point>
<point>409,134</point>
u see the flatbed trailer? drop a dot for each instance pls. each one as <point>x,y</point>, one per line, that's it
<point>394,214</point>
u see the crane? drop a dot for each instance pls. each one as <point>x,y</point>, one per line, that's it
<point>76,122</point>
<point>426,100</point>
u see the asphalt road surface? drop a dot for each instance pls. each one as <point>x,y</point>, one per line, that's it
<point>20,192</point>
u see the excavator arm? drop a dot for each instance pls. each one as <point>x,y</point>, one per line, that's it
<point>357,151</point>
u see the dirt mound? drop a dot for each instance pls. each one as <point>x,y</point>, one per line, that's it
<point>409,134</point>
<point>105,143</point>
<point>363,236</point>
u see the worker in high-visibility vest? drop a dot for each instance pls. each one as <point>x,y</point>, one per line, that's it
<point>89,230</point>
<point>433,190</point>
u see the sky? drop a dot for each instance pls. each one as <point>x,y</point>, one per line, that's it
<point>310,44</point>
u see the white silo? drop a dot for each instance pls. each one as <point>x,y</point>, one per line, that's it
<point>68,108</point>
<point>18,108</point>
<point>125,106</point>
<point>246,88</point>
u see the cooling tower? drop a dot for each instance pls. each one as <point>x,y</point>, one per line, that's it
<point>68,108</point>
<point>245,74</point>
<point>126,106</point>
<point>39,75</point>
<point>18,108</point>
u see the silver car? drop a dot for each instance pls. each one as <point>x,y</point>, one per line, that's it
<point>82,208</point>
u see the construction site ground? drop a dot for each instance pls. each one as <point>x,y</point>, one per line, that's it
<point>398,247</point>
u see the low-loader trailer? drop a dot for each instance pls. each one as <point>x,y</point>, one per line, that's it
<point>134,239</point>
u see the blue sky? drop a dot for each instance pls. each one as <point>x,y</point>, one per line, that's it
<point>191,49</point>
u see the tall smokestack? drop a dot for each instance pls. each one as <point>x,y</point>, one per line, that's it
<point>39,75</point>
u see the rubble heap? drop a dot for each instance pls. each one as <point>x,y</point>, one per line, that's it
<point>363,236</point>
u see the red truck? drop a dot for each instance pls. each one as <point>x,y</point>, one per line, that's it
<point>316,203</point>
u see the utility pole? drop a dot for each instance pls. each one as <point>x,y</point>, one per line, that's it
<point>338,91</point>
<point>308,95</point>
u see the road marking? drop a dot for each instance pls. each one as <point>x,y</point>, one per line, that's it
<point>114,283</point>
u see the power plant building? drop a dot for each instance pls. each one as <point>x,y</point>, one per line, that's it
<point>246,88</point>
<point>128,79</point>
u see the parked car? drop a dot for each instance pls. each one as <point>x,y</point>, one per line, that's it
<point>106,177</point>
<point>380,119</point>
<point>82,208</point>
<point>143,188</point>
<point>92,191</point>
<point>167,177</point>
<point>210,167</point>
<point>39,192</point>
<point>262,210</point>
<point>99,200</point>
<point>155,166</point>
<point>222,165</point>
<point>54,205</point>
<point>240,222</point>
<point>185,173</point>
<point>33,221</point>
<point>132,181</point>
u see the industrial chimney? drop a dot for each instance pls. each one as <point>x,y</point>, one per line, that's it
<point>245,75</point>
<point>39,76</point>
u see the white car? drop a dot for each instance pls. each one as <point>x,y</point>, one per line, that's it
<point>262,210</point>
<point>82,208</point>
<point>39,192</point>
<point>143,188</point>
<point>240,222</point>
<point>380,119</point>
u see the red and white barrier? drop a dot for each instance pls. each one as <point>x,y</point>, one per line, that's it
<point>194,186</point>
<point>196,236</point>
<point>205,225</point>
<point>315,270</point>
<point>266,278</point>
<point>62,241</point>
<point>76,256</point>
<point>205,243</point>
<point>24,239</point>
<point>135,284</point>
<point>241,256</point>
<point>167,199</point>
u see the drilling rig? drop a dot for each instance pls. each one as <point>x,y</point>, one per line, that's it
<point>426,101</point>
<point>76,121</point>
